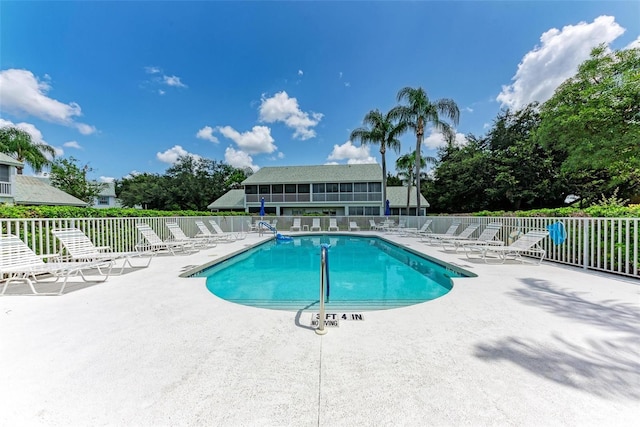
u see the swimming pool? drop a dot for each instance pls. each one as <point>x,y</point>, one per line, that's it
<point>365,273</point>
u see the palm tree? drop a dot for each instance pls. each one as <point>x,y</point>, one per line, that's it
<point>405,167</point>
<point>380,129</point>
<point>418,113</point>
<point>18,144</point>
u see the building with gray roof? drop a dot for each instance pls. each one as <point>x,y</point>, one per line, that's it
<point>323,189</point>
<point>29,190</point>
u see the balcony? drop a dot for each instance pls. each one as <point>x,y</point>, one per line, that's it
<point>5,189</point>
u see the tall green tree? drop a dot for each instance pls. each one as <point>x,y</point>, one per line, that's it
<point>19,145</point>
<point>380,129</point>
<point>192,183</point>
<point>462,176</point>
<point>405,167</point>
<point>72,179</point>
<point>526,174</point>
<point>592,122</point>
<point>418,113</point>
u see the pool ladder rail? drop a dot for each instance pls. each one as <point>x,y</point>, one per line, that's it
<point>324,286</point>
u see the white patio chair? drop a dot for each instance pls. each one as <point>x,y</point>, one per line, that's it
<point>179,236</point>
<point>487,237</point>
<point>415,232</point>
<point>152,242</point>
<point>20,264</point>
<point>373,225</point>
<point>296,225</point>
<point>315,225</point>
<point>230,237</point>
<point>464,234</point>
<point>451,231</point>
<point>353,226</point>
<point>80,248</point>
<point>526,244</point>
<point>333,225</point>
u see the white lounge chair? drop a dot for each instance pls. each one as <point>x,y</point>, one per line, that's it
<point>80,248</point>
<point>353,226</point>
<point>315,225</point>
<point>19,264</point>
<point>333,225</point>
<point>179,236</point>
<point>526,244</point>
<point>252,227</point>
<point>152,242</point>
<point>373,225</point>
<point>451,231</point>
<point>415,232</point>
<point>487,237</point>
<point>206,233</point>
<point>464,234</point>
<point>223,235</point>
<point>296,225</point>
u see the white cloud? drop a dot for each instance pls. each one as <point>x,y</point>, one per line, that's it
<point>300,72</point>
<point>634,44</point>
<point>281,108</point>
<point>173,81</point>
<point>436,140</point>
<point>106,179</point>
<point>239,159</point>
<point>72,144</point>
<point>257,140</point>
<point>171,155</point>
<point>347,84</point>
<point>207,133</point>
<point>152,70</point>
<point>23,93</point>
<point>468,109</point>
<point>159,80</point>
<point>544,68</point>
<point>351,153</point>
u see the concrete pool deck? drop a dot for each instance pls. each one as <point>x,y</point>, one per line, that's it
<point>517,345</point>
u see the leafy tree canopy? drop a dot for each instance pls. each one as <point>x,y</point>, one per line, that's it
<point>71,178</point>
<point>19,145</point>
<point>593,123</point>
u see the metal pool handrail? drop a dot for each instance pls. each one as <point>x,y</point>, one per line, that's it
<point>324,278</point>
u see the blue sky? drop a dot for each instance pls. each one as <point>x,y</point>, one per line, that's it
<point>127,87</point>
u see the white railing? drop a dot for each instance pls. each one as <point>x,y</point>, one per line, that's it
<point>604,244</point>
<point>5,189</point>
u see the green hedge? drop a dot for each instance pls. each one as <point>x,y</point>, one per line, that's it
<point>7,211</point>
<point>595,211</point>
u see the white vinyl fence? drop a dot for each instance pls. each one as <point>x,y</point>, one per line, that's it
<point>603,244</point>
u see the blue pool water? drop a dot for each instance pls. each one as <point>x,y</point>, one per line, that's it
<point>364,272</point>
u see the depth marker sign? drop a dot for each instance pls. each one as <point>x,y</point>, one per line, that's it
<point>333,319</point>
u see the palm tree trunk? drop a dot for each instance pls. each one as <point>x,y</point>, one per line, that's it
<point>419,134</point>
<point>384,177</point>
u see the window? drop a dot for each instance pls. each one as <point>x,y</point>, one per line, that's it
<point>303,188</point>
<point>360,187</point>
<point>375,187</point>
<point>356,210</point>
<point>290,188</point>
<point>103,200</point>
<point>251,189</point>
<point>318,188</point>
<point>332,188</point>
<point>372,210</point>
<point>346,187</point>
<point>277,188</point>
<point>265,189</point>
<point>4,173</point>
